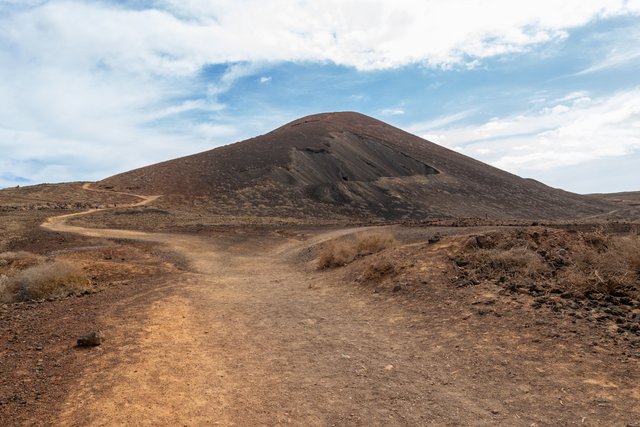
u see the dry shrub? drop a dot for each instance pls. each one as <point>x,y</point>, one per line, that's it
<point>336,254</point>
<point>367,244</point>
<point>341,252</point>
<point>513,261</point>
<point>378,270</point>
<point>629,248</point>
<point>605,264</point>
<point>50,280</point>
<point>18,260</point>
<point>583,262</point>
<point>4,284</point>
<point>10,255</point>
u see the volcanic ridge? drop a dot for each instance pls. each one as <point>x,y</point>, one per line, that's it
<point>348,165</point>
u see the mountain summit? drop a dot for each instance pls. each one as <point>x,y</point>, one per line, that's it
<point>349,165</point>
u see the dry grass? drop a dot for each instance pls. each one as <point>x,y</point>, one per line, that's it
<point>520,260</point>
<point>341,252</point>
<point>49,280</point>
<point>377,271</point>
<point>582,262</point>
<point>629,247</point>
<point>371,243</point>
<point>10,262</point>
<point>10,255</point>
<point>605,264</point>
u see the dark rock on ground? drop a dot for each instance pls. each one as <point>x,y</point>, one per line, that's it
<point>91,339</point>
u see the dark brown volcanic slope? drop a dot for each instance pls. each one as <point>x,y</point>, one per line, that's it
<point>629,198</point>
<point>349,165</point>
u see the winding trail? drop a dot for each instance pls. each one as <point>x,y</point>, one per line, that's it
<point>251,338</point>
<point>58,223</point>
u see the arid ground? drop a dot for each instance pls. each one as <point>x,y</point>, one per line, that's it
<point>210,321</point>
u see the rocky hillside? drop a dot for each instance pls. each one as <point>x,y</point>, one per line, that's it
<point>348,165</point>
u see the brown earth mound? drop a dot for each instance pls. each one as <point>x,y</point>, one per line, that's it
<point>349,165</point>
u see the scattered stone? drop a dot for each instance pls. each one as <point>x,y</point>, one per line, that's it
<point>471,282</point>
<point>461,262</point>
<point>92,339</point>
<point>625,301</point>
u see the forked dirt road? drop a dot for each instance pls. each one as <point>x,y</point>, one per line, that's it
<point>251,337</point>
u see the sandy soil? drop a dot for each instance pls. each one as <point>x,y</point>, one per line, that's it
<point>252,334</point>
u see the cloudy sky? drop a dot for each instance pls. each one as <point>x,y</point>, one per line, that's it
<point>545,89</point>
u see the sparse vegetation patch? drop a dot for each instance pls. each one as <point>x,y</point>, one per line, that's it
<point>48,280</point>
<point>577,262</point>
<point>342,251</point>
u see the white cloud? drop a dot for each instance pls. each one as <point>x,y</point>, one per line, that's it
<point>552,137</point>
<point>438,122</point>
<point>621,49</point>
<point>264,79</point>
<point>98,78</point>
<point>614,59</point>
<point>379,34</point>
<point>392,112</point>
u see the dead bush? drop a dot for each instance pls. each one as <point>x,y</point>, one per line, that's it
<point>585,262</point>
<point>49,280</point>
<point>336,254</point>
<point>513,261</point>
<point>18,260</point>
<point>377,271</point>
<point>629,248</point>
<point>341,252</point>
<point>4,283</point>
<point>10,255</point>
<point>368,244</point>
<point>612,263</point>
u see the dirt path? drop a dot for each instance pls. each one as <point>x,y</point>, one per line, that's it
<point>250,339</point>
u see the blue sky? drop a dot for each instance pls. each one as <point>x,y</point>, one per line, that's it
<point>542,89</point>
